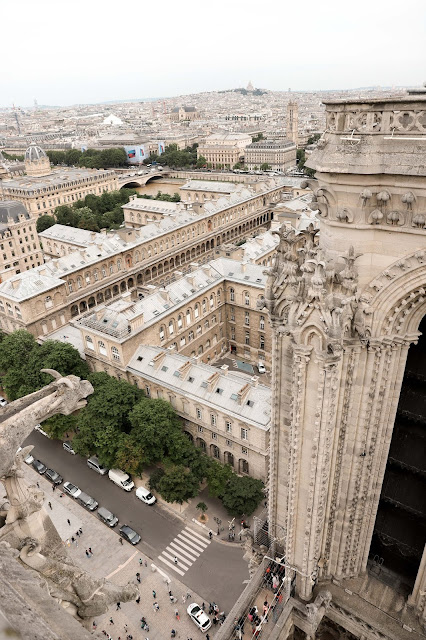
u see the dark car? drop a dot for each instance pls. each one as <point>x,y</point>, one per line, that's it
<point>87,502</point>
<point>53,476</point>
<point>129,534</point>
<point>39,467</point>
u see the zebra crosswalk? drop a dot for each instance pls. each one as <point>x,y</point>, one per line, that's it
<point>186,547</point>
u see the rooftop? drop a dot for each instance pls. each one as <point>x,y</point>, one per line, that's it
<point>208,185</point>
<point>241,398</point>
<point>55,180</point>
<point>12,209</point>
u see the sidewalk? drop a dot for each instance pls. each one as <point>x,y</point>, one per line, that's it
<point>119,563</point>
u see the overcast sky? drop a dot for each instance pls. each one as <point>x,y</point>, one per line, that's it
<point>64,52</point>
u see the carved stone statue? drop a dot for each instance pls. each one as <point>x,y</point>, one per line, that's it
<point>28,527</point>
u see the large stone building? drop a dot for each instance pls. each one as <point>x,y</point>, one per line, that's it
<point>348,307</point>
<point>47,297</point>
<point>224,150</point>
<point>184,114</point>
<point>278,154</point>
<point>226,414</point>
<point>44,189</point>
<point>19,244</point>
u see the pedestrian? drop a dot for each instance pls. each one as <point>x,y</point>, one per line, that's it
<point>72,539</point>
<point>175,560</point>
<point>87,554</point>
<point>156,606</point>
<point>126,628</point>
<point>138,599</point>
<point>170,594</point>
<point>50,505</point>
<point>120,540</point>
<point>210,534</point>
<point>265,609</point>
<point>154,593</point>
<point>203,606</point>
<point>111,621</point>
<point>69,521</point>
<point>38,485</point>
<point>173,634</point>
<point>94,625</point>
<point>140,562</point>
<point>118,606</point>
<point>177,615</point>
<point>53,487</point>
<point>90,551</point>
<point>80,531</point>
<point>188,597</point>
<point>207,636</point>
<point>184,599</point>
<point>146,563</point>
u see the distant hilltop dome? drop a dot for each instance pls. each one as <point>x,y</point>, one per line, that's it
<point>113,120</point>
<point>250,86</point>
<point>37,163</point>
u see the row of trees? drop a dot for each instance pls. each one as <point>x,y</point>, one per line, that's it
<point>301,159</point>
<point>123,427</point>
<point>174,157</point>
<point>91,158</point>
<point>93,212</point>
<point>165,197</point>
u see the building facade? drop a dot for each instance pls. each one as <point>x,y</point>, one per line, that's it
<point>348,308</point>
<point>279,154</point>
<point>44,298</point>
<point>19,244</point>
<point>293,122</point>
<point>224,150</point>
<point>44,189</point>
<point>227,415</point>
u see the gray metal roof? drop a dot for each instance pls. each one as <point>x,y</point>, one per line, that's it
<point>12,209</point>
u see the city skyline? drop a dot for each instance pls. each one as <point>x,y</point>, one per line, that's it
<point>79,56</point>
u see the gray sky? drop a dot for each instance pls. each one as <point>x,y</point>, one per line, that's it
<point>70,51</point>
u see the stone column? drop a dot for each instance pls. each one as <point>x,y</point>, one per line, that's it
<point>417,599</point>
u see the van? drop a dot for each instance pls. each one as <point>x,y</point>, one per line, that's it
<point>87,502</point>
<point>145,495</point>
<point>121,479</point>
<point>93,463</point>
<point>107,517</point>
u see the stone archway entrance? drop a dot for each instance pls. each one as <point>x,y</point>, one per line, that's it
<point>400,528</point>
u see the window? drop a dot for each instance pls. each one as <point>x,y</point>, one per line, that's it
<point>247,318</point>
<point>48,303</point>
<point>214,436</point>
<point>79,282</point>
<point>115,353</point>
<point>102,348</point>
<point>196,311</point>
<point>199,330</point>
<point>246,298</point>
<point>262,322</point>
<point>211,302</point>
<point>96,275</point>
<point>232,311</point>
<point>188,317</point>
<point>200,429</point>
<point>247,338</point>
<point>213,419</point>
<point>161,333</point>
<point>70,286</point>
<point>118,264</point>
<point>232,333</point>
<point>244,434</point>
<point>148,391</point>
<point>89,343</point>
<point>182,341</point>
<point>18,313</point>
<point>190,336</point>
<point>206,324</point>
<point>179,322</point>
<point>87,278</point>
<point>228,426</point>
<point>204,305</point>
<point>171,328</point>
<point>199,414</point>
<point>262,342</point>
<point>244,450</point>
<point>232,295</point>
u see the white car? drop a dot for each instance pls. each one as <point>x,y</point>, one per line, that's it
<point>198,616</point>
<point>261,367</point>
<point>145,495</point>
<point>68,448</point>
<point>40,430</point>
<point>71,489</point>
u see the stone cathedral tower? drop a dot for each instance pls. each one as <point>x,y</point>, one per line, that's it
<point>347,500</point>
<point>293,122</point>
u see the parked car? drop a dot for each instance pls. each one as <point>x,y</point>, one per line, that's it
<point>3,401</point>
<point>28,458</point>
<point>67,447</point>
<point>107,517</point>
<point>198,616</point>
<point>87,502</point>
<point>145,495</point>
<point>93,463</point>
<point>39,467</point>
<point>53,476</point>
<point>71,489</point>
<point>121,479</point>
<point>261,367</point>
<point>129,534</point>
<point>40,430</point>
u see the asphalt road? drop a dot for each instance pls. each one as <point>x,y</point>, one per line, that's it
<point>217,566</point>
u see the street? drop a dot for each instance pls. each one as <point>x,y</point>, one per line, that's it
<point>203,567</point>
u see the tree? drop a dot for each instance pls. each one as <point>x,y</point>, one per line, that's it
<point>201,506</point>
<point>57,425</point>
<point>242,495</point>
<point>178,485</point>
<point>155,425</point>
<point>257,138</point>
<point>15,350</point>
<point>66,215</point>
<point>155,478</point>
<point>72,157</point>
<point>44,222</point>
<point>201,162</point>
<point>237,166</point>
<point>218,477</point>
<point>265,166</point>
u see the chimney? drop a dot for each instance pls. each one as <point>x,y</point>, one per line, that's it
<point>243,393</point>
<point>133,197</point>
<point>243,266</point>
<point>92,236</point>
<point>136,322</point>
<point>158,359</point>
<point>213,380</point>
<point>224,369</point>
<point>185,369</point>
<point>255,380</point>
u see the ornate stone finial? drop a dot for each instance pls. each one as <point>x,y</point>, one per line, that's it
<point>365,195</point>
<point>408,199</point>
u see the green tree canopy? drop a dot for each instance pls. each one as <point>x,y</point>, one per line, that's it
<point>178,485</point>
<point>155,425</point>
<point>44,222</point>
<point>265,166</point>
<point>242,495</point>
<point>218,477</point>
